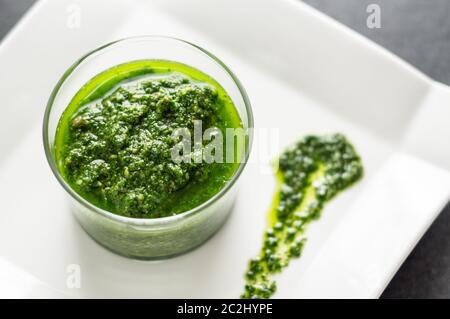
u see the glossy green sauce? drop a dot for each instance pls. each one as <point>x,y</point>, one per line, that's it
<point>114,140</point>
<point>310,173</point>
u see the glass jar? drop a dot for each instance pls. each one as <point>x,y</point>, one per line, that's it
<point>138,237</point>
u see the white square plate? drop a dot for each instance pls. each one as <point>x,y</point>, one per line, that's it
<point>304,73</point>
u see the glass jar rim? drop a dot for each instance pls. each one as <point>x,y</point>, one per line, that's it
<point>146,221</point>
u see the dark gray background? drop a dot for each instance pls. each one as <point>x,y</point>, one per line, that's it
<point>419,32</point>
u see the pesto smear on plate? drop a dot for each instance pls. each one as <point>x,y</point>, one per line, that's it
<point>114,140</point>
<point>310,173</point>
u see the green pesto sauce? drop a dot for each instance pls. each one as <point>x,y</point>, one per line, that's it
<point>114,140</point>
<point>310,173</point>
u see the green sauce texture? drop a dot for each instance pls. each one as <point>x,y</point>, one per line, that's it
<point>310,173</point>
<point>114,140</point>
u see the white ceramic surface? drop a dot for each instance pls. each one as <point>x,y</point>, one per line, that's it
<point>304,73</point>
